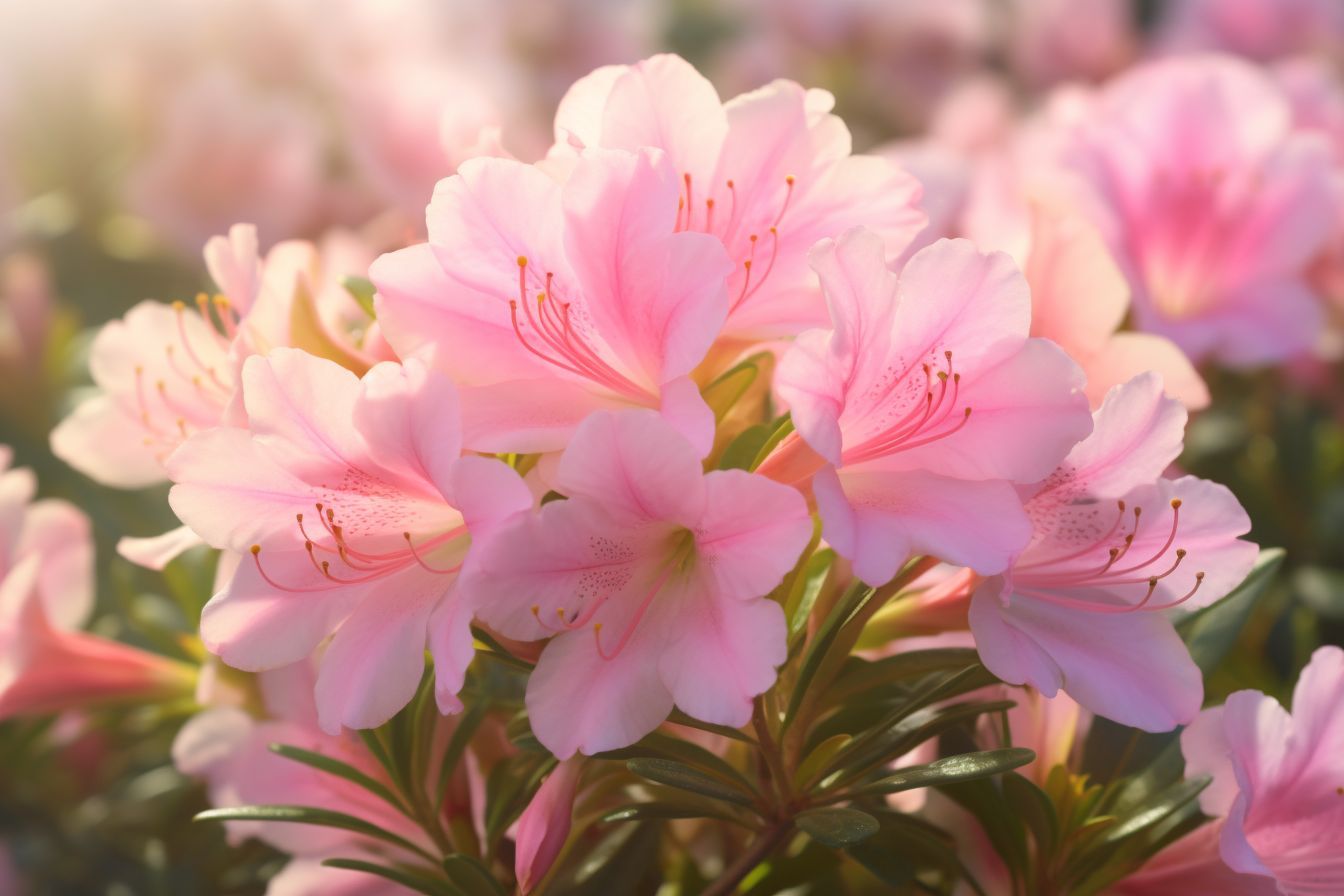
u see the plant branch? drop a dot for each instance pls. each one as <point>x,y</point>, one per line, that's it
<point>766,843</point>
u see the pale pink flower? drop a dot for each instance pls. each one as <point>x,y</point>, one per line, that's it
<point>358,512</point>
<point>1212,205</point>
<point>231,750</point>
<point>544,825</point>
<point>1079,299</point>
<point>1113,546</point>
<point>1191,865</point>
<point>409,122</point>
<point>1262,30</point>
<point>1064,40</point>
<point>46,593</point>
<point>922,406</point>
<point>226,151</point>
<point>768,173</point>
<point>547,301</point>
<point>650,577</point>
<point>1278,779</point>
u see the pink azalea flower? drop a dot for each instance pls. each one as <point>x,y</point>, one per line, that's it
<point>924,403</point>
<point>1262,30</point>
<point>232,752</point>
<point>46,593</point>
<point>547,301</point>
<point>1068,261</point>
<point>226,151</point>
<point>768,173</point>
<point>544,825</point>
<point>358,513</point>
<point>650,577</point>
<point>1278,779</point>
<point>1113,546</point>
<point>1211,203</point>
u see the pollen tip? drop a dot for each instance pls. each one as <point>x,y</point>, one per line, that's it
<point>730,183</point>
<point>299,517</point>
<point>1138,510</point>
<point>536,611</point>
<point>789,180</point>
<point>597,627</point>
<point>1122,504</point>
<point>179,305</point>
<point>968,412</point>
<point>709,203</point>
<point>406,535</point>
<point>255,549</point>
<point>522,261</point>
<point>1199,576</point>
<point>942,376</point>
<point>1152,581</point>
<point>1181,552</point>
<point>1175,503</point>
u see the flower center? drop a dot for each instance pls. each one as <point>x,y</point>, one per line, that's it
<point>935,416</point>
<point>1085,568</point>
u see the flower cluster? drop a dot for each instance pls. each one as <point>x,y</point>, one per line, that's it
<point>661,448</point>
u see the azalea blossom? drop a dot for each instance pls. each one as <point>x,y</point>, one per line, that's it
<point>1263,30</point>
<point>1068,260</point>
<point>46,595</point>
<point>1278,779</point>
<point>354,512</point>
<point>649,580</point>
<point>544,825</point>
<point>767,173</point>
<point>923,404</point>
<point>547,301</point>
<point>231,751</point>
<point>1211,203</point>
<point>1113,546</point>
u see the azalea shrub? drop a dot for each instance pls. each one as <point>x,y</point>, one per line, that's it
<point>685,502</point>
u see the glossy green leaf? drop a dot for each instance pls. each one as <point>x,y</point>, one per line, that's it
<point>661,746</point>
<point>837,826</point>
<point>952,769</point>
<point>341,770</point>
<point>683,777</point>
<point>471,876</point>
<point>308,815</point>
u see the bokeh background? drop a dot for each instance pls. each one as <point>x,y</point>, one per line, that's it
<point>131,132</point>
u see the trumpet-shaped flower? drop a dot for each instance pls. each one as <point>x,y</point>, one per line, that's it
<point>547,301</point>
<point>1212,204</point>
<point>232,752</point>
<point>1113,546</point>
<point>354,512</point>
<point>923,404</point>
<point>650,578</point>
<point>768,173</point>
<point>1278,779</point>
<point>46,593</point>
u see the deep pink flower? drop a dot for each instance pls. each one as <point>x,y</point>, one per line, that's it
<point>923,404</point>
<point>1278,779</point>
<point>650,577</point>
<point>547,301</point>
<point>1211,203</point>
<point>1113,545</point>
<point>357,511</point>
<point>768,173</point>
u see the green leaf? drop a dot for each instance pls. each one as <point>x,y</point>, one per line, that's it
<point>308,815</point>
<point>626,861</point>
<point>471,876</point>
<point>742,450</point>
<point>1211,632</point>
<point>783,426</point>
<point>966,767</point>
<point>1155,810</point>
<point>818,758</point>
<point>727,389</point>
<point>362,290</point>
<point>683,777</point>
<point>807,588</point>
<point>647,811</point>
<point>341,770</point>
<point>467,723</point>
<point>845,608</point>
<point>906,844</point>
<point>860,676</point>
<point>1034,806</point>
<point>661,746</point>
<point>407,878</point>
<point>680,718</point>
<point>837,826</point>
